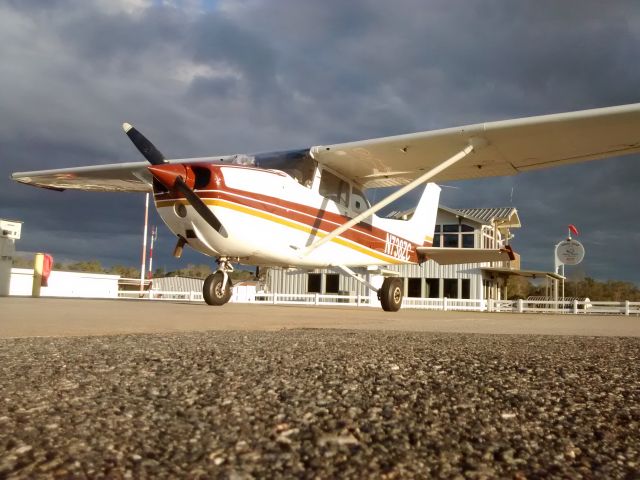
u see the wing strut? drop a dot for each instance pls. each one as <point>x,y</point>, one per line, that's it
<point>391,198</point>
<point>357,277</point>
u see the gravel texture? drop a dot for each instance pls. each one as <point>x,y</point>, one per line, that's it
<point>320,404</point>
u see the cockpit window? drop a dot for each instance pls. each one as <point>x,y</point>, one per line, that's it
<point>359,202</point>
<point>334,188</point>
<point>297,164</point>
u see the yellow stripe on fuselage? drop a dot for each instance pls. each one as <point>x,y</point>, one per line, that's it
<point>217,202</point>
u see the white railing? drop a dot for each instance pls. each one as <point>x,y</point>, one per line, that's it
<point>442,304</point>
<point>312,299</point>
<point>161,295</point>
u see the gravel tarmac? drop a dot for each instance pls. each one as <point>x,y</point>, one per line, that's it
<point>320,404</point>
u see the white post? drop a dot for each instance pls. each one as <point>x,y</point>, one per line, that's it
<point>575,306</point>
<point>520,306</point>
<point>444,304</point>
<point>273,298</point>
<point>144,243</point>
<point>627,308</point>
<point>38,265</point>
<point>316,299</point>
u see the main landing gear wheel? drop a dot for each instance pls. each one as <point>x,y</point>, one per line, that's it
<point>213,292</point>
<point>390,294</point>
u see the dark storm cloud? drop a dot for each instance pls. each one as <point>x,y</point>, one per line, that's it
<point>226,77</point>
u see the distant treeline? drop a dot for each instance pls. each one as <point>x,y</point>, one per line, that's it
<point>611,290</point>
<point>518,287</point>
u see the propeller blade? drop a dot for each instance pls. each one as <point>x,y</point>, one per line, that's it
<point>199,206</point>
<point>177,251</point>
<point>146,148</point>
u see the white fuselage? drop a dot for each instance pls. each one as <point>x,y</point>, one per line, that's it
<point>269,218</point>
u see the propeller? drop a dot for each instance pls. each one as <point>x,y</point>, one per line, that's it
<point>172,176</point>
<point>146,148</point>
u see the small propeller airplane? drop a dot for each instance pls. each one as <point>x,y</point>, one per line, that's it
<point>307,208</point>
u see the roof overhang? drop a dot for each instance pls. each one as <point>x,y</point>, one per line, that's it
<point>534,274</point>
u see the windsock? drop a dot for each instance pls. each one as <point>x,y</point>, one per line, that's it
<point>574,230</point>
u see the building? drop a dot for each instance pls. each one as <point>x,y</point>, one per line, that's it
<point>463,228</point>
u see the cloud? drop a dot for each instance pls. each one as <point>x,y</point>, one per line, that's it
<point>203,77</point>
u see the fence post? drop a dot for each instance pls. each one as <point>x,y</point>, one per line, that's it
<point>490,304</point>
<point>444,304</point>
<point>316,299</point>
<point>358,299</point>
<point>626,307</point>
<point>520,306</point>
<point>575,307</point>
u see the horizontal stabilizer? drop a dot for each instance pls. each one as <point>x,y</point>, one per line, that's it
<point>453,256</point>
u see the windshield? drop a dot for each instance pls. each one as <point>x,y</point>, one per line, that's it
<point>297,163</point>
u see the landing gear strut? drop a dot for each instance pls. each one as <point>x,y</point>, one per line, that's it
<point>217,286</point>
<point>390,294</point>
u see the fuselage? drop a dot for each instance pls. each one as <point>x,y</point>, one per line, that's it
<point>270,218</point>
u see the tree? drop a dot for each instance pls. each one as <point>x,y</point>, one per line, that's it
<point>124,271</point>
<point>22,262</point>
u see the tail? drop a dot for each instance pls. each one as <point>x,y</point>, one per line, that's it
<point>421,227</point>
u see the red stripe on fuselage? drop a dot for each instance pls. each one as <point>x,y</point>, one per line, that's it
<point>317,219</point>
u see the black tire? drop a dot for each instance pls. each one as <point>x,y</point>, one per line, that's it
<point>390,294</point>
<point>212,289</point>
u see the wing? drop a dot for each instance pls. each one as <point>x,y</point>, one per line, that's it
<point>122,177</point>
<point>118,177</point>
<point>510,147</point>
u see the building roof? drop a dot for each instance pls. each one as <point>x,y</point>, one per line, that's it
<point>502,216</point>
<point>522,273</point>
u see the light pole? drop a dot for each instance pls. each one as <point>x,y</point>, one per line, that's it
<point>144,243</point>
<point>154,236</point>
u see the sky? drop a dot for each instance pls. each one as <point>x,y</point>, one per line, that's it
<point>222,77</point>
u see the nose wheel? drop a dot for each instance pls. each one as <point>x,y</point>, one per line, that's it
<point>217,286</point>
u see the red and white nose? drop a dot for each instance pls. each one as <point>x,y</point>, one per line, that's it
<point>167,174</point>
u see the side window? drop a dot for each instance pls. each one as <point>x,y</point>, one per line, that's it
<point>359,202</point>
<point>334,188</point>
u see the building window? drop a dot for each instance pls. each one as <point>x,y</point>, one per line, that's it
<point>332,284</point>
<point>450,288</point>
<point>468,240</point>
<point>432,287</point>
<point>414,287</point>
<point>450,240</point>
<point>314,283</point>
<point>454,236</point>
<point>466,288</point>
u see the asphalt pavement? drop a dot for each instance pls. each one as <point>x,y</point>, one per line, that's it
<point>320,403</point>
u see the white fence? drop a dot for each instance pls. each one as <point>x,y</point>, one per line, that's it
<point>443,304</point>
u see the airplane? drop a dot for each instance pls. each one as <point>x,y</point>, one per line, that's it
<point>306,208</point>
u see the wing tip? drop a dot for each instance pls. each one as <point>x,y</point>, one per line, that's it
<point>126,127</point>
